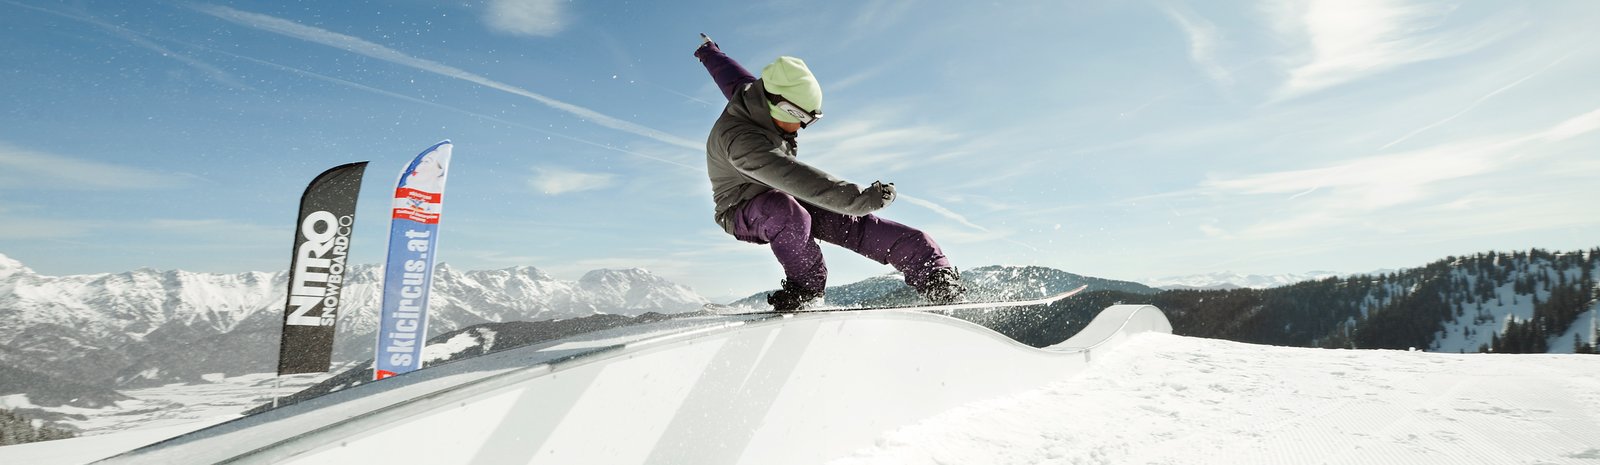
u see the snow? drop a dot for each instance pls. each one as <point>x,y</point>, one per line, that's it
<point>196,405</point>
<point>91,448</point>
<point>450,347</point>
<point>1160,398</point>
<point>1168,399</point>
<point>153,415</point>
<point>10,266</point>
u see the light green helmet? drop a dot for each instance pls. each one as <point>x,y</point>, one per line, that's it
<point>790,78</point>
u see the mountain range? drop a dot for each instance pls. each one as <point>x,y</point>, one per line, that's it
<point>1224,280</point>
<point>146,326</point>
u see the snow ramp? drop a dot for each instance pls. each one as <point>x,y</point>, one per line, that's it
<point>768,389</point>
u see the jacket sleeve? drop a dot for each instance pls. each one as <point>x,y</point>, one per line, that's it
<point>756,157</point>
<point>727,73</point>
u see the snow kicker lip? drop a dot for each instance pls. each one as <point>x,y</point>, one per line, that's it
<point>759,388</point>
<point>923,307</point>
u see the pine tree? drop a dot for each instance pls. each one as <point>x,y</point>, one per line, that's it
<point>1594,341</point>
<point>16,429</point>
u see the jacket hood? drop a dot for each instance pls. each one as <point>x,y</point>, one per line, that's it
<point>751,104</point>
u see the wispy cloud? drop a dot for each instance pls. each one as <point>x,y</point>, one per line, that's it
<point>1204,39</point>
<point>663,158</point>
<point>363,47</point>
<point>1573,127</point>
<point>139,39</point>
<point>1377,181</point>
<point>23,228</point>
<point>861,76</point>
<point>543,18</point>
<point>209,70</point>
<point>1351,39</point>
<point>557,181</point>
<point>869,145</point>
<point>23,168</point>
<point>228,230</point>
<point>1479,101</point>
<point>1353,191</point>
<point>942,211</point>
<point>876,14</point>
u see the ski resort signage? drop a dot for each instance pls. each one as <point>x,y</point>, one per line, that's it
<point>317,269</point>
<point>408,272</point>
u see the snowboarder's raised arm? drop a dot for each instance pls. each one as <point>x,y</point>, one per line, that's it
<point>727,73</point>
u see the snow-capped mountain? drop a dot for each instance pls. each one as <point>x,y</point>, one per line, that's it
<point>1533,301</point>
<point>1231,280</point>
<point>116,328</point>
<point>130,305</point>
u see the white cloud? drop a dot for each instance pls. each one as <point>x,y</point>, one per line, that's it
<point>1204,38</point>
<point>1573,127</point>
<point>231,230</point>
<point>1355,192</point>
<point>557,181</point>
<point>867,149</point>
<point>23,168</point>
<point>942,211</point>
<point>363,47</point>
<point>1372,182</point>
<point>1351,39</point>
<point>542,18</point>
<point>21,228</point>
<point>868,146</point>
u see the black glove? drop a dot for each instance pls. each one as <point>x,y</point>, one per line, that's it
<point>884,191</point>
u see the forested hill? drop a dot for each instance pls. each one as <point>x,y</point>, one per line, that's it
<point>1532,301</point>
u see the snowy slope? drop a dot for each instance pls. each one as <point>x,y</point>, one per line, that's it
<point>1480,320</point>
<point>1169,399</point>
<point>772,389</point>
<point>1159,398</point>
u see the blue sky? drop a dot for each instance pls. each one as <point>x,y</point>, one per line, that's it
<point>1119,139</point>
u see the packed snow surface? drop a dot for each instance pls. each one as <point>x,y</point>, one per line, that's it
<point>153,415</point>
<point>1163,399</point>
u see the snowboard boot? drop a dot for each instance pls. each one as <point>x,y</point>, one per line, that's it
<point>943,286</point>
<point>793,298</point>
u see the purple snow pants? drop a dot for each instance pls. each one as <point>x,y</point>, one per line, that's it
<point>791,227</point>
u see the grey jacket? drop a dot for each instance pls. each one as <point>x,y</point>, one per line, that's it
<point>747,155</point>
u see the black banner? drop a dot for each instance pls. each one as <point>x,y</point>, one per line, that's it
<point>316,273</point>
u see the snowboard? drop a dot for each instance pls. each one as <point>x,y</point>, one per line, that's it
<point>721,309</point>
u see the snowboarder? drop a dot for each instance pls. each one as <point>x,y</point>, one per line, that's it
<point>764,195</point>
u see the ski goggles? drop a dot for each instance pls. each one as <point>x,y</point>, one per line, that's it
<point>805,117</point>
